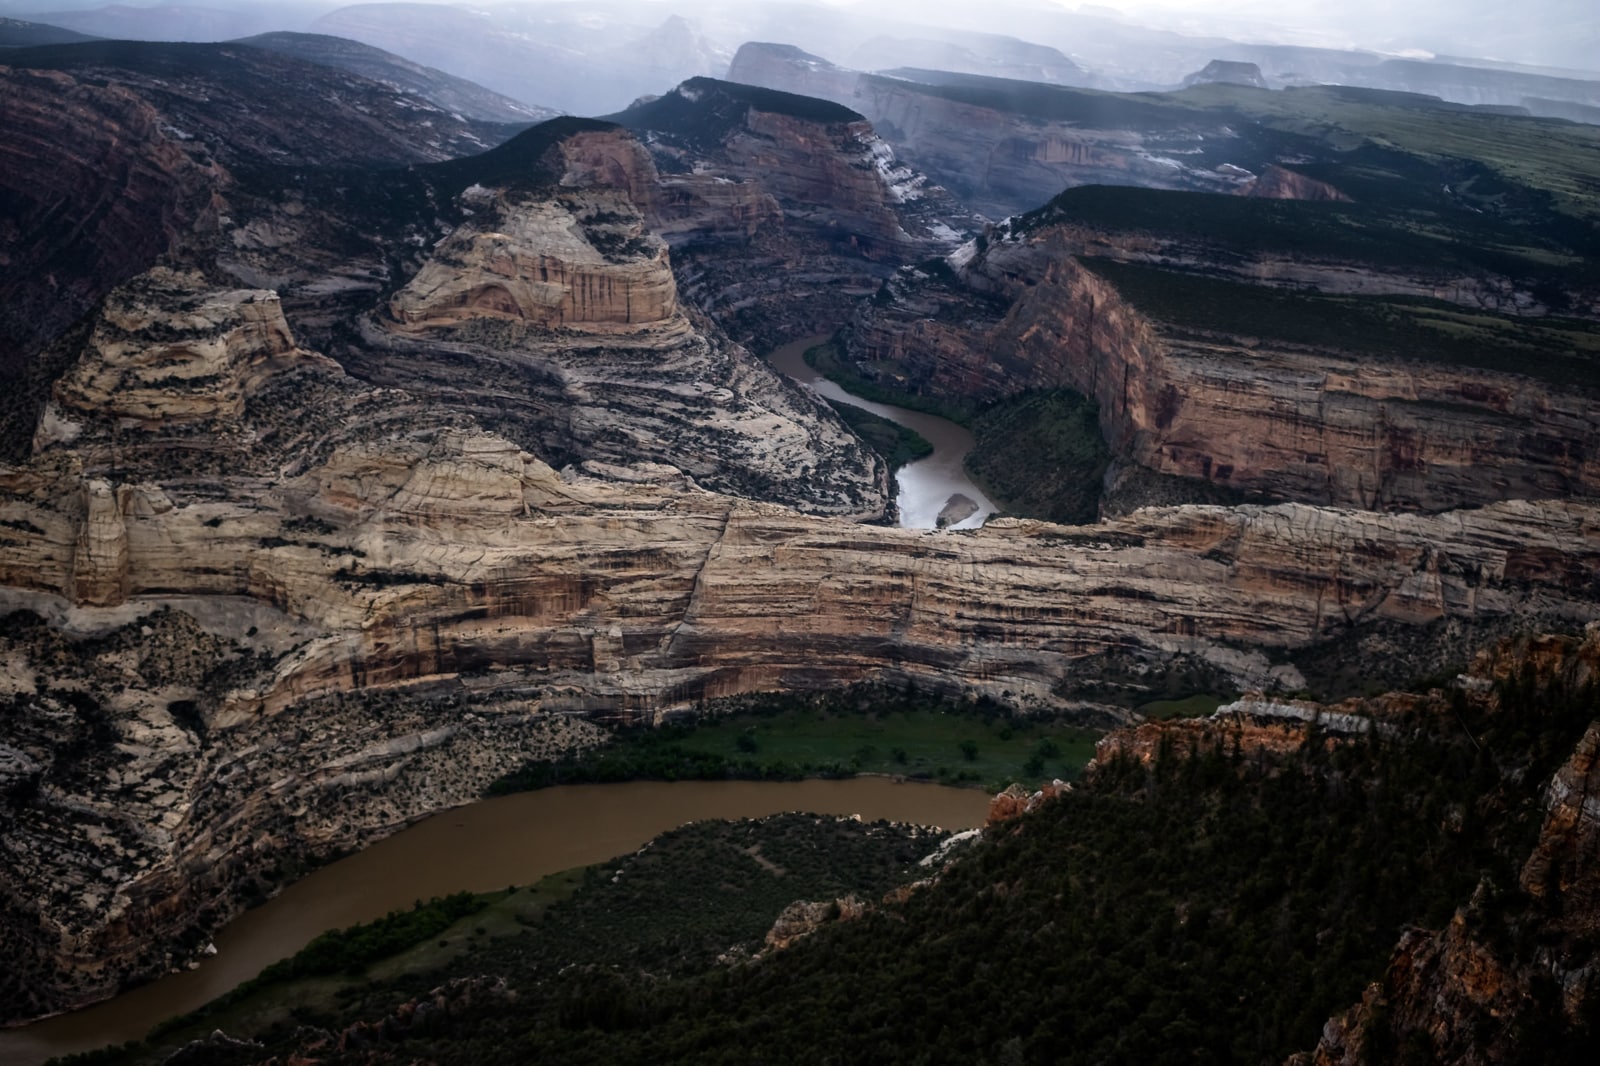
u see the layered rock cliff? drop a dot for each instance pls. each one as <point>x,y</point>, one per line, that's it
<point>446,573</point>
<point>117,153</point>
<point>541,266</point>
<point>575,298</point>
<point>162,191</point>
<point>1256,406</point>
<point>528,288</point>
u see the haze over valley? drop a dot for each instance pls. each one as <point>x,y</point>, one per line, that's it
<point>1179,424</point>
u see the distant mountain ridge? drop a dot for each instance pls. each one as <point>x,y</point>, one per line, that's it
<point>19,33</point>
<point>466,98</point>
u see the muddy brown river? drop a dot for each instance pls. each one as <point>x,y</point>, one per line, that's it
<point>925,487</point>
<point>511,840</point>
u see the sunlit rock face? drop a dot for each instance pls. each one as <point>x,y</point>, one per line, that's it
<point>540,266</point>
<point>170,349</point>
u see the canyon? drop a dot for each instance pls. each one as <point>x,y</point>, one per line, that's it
<point>357,471</point>
<point>1296,417</point>
<point>189,625</point>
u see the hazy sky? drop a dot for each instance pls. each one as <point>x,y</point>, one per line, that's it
<point>1374,23</point>
<point>1558,32</point>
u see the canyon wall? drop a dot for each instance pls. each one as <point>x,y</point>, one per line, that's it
<point>164,191</point>
<point>341,624</point>
<point>1284,420</point>
<point>297,617</point>
<point>783,211</point>
<point>396,478</point>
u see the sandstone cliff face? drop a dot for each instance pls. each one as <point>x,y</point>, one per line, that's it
<point>165,192</point>
<point>339,546</point>
<point>170,350</point>
<point>529,291</point>
<point>538,265</point>
<point>116,153</point>
<point>151,826</point>
<point>575,300</point>
<point>1284,420</point>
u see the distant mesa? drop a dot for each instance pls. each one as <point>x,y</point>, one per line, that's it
<point>990,55</point>
<point>1227,72</point>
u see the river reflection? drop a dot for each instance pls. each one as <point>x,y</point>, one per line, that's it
<point>511,840</point>
<point>928,484</point>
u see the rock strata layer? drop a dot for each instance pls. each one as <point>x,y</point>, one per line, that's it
<point>265,606</point>
<point>1286,420</point>
<point>450,575</point>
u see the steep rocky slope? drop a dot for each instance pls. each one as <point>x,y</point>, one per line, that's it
<point>117,153</point>
<point>1294,843</point>
<point>162,192</point>
<point>1513,976</point>
<point>235,188</point>
<point>1290,419</point>
<point>1314,349</point>
<point>783,211</point>
<point>525,288</point>
<point>312,546</point>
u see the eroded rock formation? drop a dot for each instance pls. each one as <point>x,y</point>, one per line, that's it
<point>539,265</point>
<point>165,192</point>
<point>1283,419</point>
<point>113,154</point>
<point>336,560</point>
<point>270,605</point>
<point>783,210</point>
